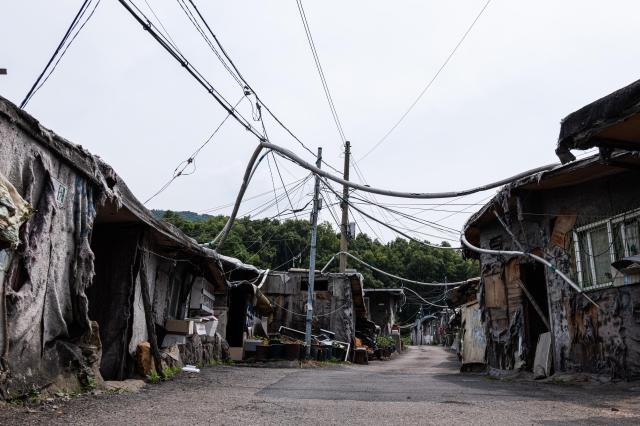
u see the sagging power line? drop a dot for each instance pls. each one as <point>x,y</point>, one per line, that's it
<point>323,79</point>
<point>62,48</point>
<point>429,84</point>
<point>390,275</point>
<point>285,153</point>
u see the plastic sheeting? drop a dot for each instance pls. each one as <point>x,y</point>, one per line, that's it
<point>14,211</point>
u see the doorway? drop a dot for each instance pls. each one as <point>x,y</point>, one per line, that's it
<point>532,275</point>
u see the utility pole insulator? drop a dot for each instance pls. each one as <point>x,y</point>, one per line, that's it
<point>344,226</point>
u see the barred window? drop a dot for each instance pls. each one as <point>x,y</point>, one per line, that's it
<point>599,244</point>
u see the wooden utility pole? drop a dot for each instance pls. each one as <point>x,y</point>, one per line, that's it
<point>312,256</point>
<point>344,227</point>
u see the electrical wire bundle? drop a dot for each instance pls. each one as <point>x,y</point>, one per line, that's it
<point>79,21</point>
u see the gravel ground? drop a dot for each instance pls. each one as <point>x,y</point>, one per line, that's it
<point>421,386</point>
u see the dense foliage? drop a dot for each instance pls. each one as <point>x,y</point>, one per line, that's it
<point>275,244</point>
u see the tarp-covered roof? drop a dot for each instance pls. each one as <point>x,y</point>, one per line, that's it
<point>612,121</point>
<point>567,175</point>
<point>119,203</point>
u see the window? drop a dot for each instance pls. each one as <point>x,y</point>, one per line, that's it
<point>599,244</point>
<point>495,243</point>
<point>320,284</point>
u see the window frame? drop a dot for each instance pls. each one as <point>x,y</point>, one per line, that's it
<point>585,231</point>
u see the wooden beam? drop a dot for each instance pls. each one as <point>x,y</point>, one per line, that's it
<point>148,311</point>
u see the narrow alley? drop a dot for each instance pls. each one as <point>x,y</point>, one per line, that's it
<point>421,386</point>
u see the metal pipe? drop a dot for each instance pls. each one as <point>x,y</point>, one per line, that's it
<point>545,262</point>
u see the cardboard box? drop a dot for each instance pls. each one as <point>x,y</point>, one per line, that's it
<point>201,328</point>
<point>179,327</point>
<point>211,326</point>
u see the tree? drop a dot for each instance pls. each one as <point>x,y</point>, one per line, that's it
<point>275,244</point>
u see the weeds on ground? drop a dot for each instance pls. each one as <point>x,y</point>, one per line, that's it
<point>406,340</point>
<point>168,373</point>
<point>33,395</point>
<point>333,361</point>
<point>153,377</point>
<point>384,341</point>
<point>90,384</point>
<point>65,393</point>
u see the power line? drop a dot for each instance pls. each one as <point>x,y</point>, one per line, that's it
<point>390,275</point>
<point>429,84</point>
<point>285,153</point>
<point>244,80</point>
<point>37,85</point>
<point>192,70</point>
<point>284,187</point>
<point>323,79</point>
<point>200,30</point>
<point>161,24</point>
<point>253,197</point>
<point>364,181</point>
<point>425,300</point>
<point>191,161</point>
<point>434,225</point>
<point>387,225</point>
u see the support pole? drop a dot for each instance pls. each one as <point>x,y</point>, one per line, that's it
<point>148,312</point>
<point>344,204</point>
<point>312,257</point>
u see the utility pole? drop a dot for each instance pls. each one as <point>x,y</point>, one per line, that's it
<point>344,227</point>
<point>312,256</point>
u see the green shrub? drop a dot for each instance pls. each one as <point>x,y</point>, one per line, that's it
<point>153,377</point>
<point>384,341</point>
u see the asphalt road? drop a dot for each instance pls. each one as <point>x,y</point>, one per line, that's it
<point>421,386</point>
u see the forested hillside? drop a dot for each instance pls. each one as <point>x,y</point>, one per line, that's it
<point>274,244</point>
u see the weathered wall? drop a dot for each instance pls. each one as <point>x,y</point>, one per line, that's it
<point>585,339</point>
<point>46,318</point>
<point>473,339</point>
<point>47,336</point>
<point>333,308</point>
<point>382,307</point>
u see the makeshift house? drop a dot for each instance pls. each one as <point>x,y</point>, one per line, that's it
<point>584,218</point>
<point>437,328</point>
<point>87,272</point>
<point>470,341</point>
<point>383,304</point>
<point>422,330</point>
<point>338,304</point>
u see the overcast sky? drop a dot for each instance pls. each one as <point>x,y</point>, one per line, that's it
<point>493,112</point>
